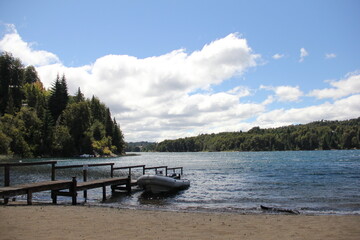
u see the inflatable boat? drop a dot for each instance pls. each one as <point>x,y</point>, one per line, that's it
<point>160,184</point>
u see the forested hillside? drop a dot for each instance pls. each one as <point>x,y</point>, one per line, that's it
<point>37,122</point>
<point>321,135</point>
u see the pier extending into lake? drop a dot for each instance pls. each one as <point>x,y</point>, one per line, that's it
<point>70,188</point>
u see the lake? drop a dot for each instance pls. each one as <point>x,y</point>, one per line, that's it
<point>312,182</point>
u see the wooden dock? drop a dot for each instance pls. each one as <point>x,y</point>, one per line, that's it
<point>70,188</point>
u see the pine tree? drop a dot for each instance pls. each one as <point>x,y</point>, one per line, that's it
<point>59,97</point>
<point>11,80</point>
<point>118,139</point>
<point>109,125</point>
<point>79,97</point>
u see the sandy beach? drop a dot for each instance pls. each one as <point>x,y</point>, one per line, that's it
<point>83,222</point>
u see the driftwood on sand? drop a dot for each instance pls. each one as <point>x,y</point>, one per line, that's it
<point>275,209</point>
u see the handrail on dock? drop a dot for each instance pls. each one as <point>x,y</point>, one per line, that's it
<point>7,167</point>
<point>127,167</point>
<point>156,168</point>
<point>84,166</point>
<point>85,171</point>
<point>175,168</point>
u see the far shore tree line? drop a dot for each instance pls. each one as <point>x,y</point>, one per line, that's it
<point>320,135</point>
<point>36,122</point>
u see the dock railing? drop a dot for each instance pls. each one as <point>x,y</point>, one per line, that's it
<point>7,167</point>
<point>127,167</point>
<point>176,168</point>
<point>156,169</point>
<point>85,171</point>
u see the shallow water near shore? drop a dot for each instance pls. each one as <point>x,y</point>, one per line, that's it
<point>312,182</point>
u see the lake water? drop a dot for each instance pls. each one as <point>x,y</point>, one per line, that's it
<point>312,182</point>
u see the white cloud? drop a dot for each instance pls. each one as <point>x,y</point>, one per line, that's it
<point>13,43</point>
<point>330,55</point>
<point>341,88</point>
<point>339,110</point>
<point>303,54</point>
<point>169,96</point>
<point>285,93</point>
<point>152,97</point>
<point>278,56</point>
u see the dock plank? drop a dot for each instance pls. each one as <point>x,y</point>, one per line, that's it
<point>101,182</point>
<point>34,187</point>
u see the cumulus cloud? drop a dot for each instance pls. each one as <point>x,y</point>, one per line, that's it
<point>13,43</point>
<point>342,88</point>
<point>339,110</point>
<point>278,56</point>
<point>330,55</point>
<point>285,93</point>
<point>303,54</point>
<point>153,98</point>
<point>169,96</point>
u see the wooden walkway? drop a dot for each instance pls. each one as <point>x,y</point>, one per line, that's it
<point>30,188</point>
<point>70,188</point>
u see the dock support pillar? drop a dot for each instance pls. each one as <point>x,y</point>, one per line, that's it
<point>73,190</point>
<point>6,181</point>
<point>128,184</point>
<point>104,193</point>
<point>29,197</point>
<point>54,197</point>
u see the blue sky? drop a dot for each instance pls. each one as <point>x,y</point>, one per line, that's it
<point>170,69</point>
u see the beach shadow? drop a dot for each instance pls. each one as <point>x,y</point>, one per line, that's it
<point>160,199</point>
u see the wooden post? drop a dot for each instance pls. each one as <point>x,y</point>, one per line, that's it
<point>128,184</point>
<point>54,196</point>
<point>85,168</point>
<point>144,170</point>
<point>104,193</point>
<point>112,171</point>
<point>6,181</point>
<point>29,197</point>
<point>53,172</point>
<point>73,190</point>
<point>7,176</point>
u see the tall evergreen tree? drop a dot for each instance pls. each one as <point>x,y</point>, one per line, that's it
<point>11,80</point>
<point>109,125</point>
<point>118,139</point>
<point>79,97</point>
<point>59,97</point>
<point>98,110</point>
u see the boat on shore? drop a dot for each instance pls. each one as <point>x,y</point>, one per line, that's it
<point>160,184</point>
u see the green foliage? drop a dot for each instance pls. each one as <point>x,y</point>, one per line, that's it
<point>79,97</point>
<point>59,98</point>
<point>322,135</point>
<point>11,80</point>
<point>37,122</point>
<point>62,142</point>
<point>140,147</point>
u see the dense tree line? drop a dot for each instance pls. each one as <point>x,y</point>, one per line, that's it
<point>321,135</point>
<point>38,122</point>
